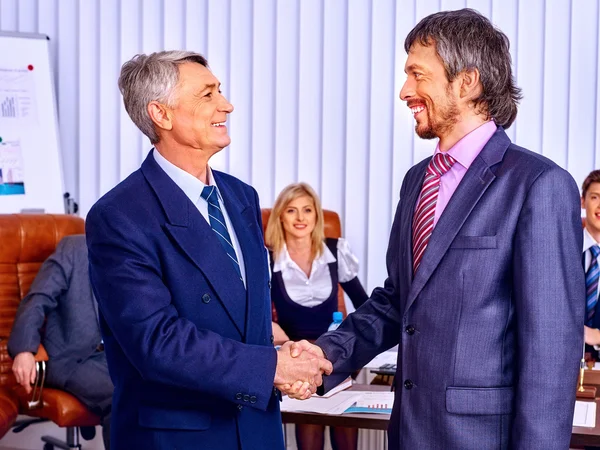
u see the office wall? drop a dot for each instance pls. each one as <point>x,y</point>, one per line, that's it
<point>315,85</point>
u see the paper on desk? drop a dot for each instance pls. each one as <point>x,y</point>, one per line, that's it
<point>585,414</point>
<point>335,404</point>
<point>340,387</point>
<point>379,402</point>
<point>389,357</point>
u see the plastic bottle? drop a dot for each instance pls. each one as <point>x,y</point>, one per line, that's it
<point>337,321</point>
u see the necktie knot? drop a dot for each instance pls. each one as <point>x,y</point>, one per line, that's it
<point>595,250</point>
<point>208,193</point>
<point>440,164</point>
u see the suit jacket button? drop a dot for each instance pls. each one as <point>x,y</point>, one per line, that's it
<point>240,407</point>
<point>246,398</point>
<point>275,391</point>
<point>206,298</point>
<point>253,399</point>
<point>410,330</point>
<point>238,396</point>
<point>269,284</point>
<point>272,339</point>
<point>408,384</point>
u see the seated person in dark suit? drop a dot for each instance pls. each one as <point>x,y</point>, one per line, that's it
<point>61,294</point>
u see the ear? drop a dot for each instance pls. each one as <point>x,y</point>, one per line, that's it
<point>470,86</point>
<point>582,202</point>
<point>160,115</point>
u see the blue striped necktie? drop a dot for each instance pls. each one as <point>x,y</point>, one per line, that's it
<point>217,223</point>
<point>591,285</point>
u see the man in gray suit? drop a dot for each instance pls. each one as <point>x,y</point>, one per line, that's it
<point>485,289</point>
<point>61,294</point>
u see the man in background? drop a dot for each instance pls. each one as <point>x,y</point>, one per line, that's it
<point>484,263</point>
<point>590,201</point>
<point>179,268</point>
<point>61,296</point>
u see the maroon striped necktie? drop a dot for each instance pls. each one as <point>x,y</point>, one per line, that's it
<point>425,211</point>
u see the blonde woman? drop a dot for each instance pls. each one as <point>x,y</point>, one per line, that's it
<point>304,286</point>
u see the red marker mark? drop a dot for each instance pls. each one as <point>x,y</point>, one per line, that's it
<point>29,67</point>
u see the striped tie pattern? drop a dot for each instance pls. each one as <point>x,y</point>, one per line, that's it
<point>425,211</point>
<point>217,223</point>
<point>591,285</point>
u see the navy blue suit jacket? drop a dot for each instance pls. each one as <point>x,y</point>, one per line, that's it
<point>490,328</point>
<point>188,347</point>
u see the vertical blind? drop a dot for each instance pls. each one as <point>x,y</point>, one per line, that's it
<point>315,87</point>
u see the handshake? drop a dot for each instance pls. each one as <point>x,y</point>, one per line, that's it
<point>300,369</point>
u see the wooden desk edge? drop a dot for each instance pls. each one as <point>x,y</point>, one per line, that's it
<point>581,436</point>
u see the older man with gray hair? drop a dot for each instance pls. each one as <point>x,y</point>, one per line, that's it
<point>179,268</point>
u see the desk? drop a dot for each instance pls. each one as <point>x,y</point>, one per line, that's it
<point>366,421</point>
<point>373,434</point>
<point>587,436</point>
<point>581,436</point>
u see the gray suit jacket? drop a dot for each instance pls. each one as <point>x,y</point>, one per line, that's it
<point>61,292</point>
<point>490,328</point>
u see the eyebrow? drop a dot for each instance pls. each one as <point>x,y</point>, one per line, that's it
<point>413,67</point>
<point>208,86</point>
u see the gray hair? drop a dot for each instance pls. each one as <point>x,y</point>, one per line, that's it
<point>467,40</point>
<point>146,78</point>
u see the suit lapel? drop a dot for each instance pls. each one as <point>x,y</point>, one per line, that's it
<point>197,240</point>
<point>409,203</point>
<point>471,188</point>
<point>244,219</point>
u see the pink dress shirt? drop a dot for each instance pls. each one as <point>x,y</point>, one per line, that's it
<point>464,152</point>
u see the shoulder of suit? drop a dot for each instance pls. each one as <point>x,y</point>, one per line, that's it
<point>531,159</point>
<point>73,242</point>
<point>128,197</point>
<point>127,190</point>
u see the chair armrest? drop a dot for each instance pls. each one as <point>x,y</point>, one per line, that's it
<point>40,377</point>
<point>42,354</point>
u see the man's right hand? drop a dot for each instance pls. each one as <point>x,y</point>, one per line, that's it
<point>24,370</point>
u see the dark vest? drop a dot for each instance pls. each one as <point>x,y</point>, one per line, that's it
<point>301,322</point>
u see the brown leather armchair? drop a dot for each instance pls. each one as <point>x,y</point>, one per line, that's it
<point>333,229</point>
<point>26,240</point>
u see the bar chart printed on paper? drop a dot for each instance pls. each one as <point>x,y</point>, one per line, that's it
<point>17,97</point>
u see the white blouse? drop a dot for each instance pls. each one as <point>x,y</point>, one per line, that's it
<point>315,289</point>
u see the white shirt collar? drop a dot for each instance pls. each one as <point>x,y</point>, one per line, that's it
<point>588,240</point>
<point>189,184</point>
<point>284,260</point>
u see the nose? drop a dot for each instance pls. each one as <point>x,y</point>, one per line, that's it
<point>300,216</point>
<point>225,106</point>
<point>407,90</point>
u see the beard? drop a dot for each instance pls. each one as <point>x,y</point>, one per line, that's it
<point>440,119</point>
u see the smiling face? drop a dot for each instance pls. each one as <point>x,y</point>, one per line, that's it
<point>428,93</point>
<point>198,119</point>
<point>591,203</point>
<point>299,218</point>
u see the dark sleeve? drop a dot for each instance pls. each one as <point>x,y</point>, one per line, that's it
<point>372,329</point>
<point>50,283</point>
<point>549,299</point>
<point>355,291</point>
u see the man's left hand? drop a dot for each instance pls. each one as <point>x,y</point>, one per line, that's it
<point>591,335</point>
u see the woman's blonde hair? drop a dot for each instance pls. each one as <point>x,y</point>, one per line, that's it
<point>275,234</point>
